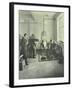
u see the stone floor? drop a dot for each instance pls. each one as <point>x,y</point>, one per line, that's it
<point>44,69</point>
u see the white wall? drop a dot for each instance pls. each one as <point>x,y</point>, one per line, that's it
<point>55,30</point>
<point>60,27</point>
<point>37,26</point>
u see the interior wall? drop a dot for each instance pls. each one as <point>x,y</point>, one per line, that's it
<point>55,30</point>
<point>49,28</point>
<point>36,26</point>
<point>60,27</point>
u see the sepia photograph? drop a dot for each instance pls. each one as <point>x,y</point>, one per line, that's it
<point>39,44</point>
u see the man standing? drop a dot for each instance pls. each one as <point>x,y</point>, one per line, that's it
<point>24,48</point>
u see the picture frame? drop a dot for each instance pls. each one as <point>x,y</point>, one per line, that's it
<point>19,16</point>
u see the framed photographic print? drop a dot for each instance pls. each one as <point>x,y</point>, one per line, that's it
<point>39,38</point>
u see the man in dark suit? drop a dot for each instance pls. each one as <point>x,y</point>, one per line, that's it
<point>24,48</point>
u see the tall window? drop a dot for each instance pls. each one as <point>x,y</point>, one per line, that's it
<point>60,27</point>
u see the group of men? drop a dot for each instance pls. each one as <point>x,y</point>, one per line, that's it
<point>52,50</point>
<point>28,48</point>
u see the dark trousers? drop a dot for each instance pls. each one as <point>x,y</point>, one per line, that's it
<point>25,58</point>
<point>26,63</point>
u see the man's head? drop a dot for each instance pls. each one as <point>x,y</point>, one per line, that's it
<point>25,35</point>
<point>51,40</point>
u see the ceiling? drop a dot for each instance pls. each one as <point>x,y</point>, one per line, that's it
<point>35,15</point>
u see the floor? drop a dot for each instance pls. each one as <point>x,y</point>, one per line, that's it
<point>44,69</point>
